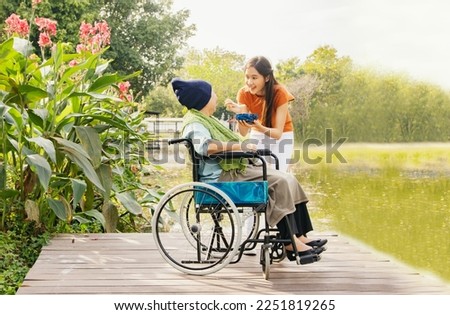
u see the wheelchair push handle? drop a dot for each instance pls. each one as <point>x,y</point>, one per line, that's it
<point>174,141</point>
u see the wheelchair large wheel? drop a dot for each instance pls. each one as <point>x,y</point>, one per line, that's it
<point>249,220</point>
<point>197,228</point>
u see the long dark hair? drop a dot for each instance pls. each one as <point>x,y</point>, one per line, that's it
<point>263,66</point>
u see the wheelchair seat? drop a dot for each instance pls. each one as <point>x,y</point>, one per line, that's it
<point>243,194</point>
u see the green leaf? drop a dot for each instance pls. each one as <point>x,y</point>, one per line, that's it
<point>77,155</point>
<point>104,172</point>
<point>114,122</point>
<point>97,96</point>
<point>47,145</point>
<point>72,145</point>
<point>90,140</point>
<point>13,117</point>
<point>78,188</point>
<point>104,82</point>
<point>129,202</point>
<point>22,46</point>
<point>101,68</point>
<point>8,193</point>
<point>58,208</point>
<point>80,219</point>
<point>3,109</point>
<point>97,215</point>
<point>32,93</point>
<point>42,169</point>
<point>6,49</point>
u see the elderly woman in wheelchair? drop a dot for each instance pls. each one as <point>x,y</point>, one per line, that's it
<point>197,226</point>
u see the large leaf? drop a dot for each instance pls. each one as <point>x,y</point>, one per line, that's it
<point>90,140</point>
<point>96,96</point>
<point>78,188</point>
<point>72,145</point>
<point>32,93</point>
<point>6,49</point>
<point>104,82</point>
<point>97,215</point>
<point>3,109</point>
<point>47,145</point>
<point>129,202</point>
<point>23,46</point>
<point>114,121</point>
<point>42,169</point>
<point>70,71</point>
<point>104,172</point>
<point>13,117</point>
<point>58,208</point>
<point>78,156</point>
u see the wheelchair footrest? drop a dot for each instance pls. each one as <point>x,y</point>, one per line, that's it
<point>309,259</point>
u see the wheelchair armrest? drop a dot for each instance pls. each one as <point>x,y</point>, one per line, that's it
<point>242,154</point>
<point>267,152</point>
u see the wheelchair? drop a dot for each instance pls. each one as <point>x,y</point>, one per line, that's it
<point>198,226</point>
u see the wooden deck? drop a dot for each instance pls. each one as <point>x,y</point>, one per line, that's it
<point>131,264</point>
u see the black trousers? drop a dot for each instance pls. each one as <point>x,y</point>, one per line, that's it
<point>299,221</point>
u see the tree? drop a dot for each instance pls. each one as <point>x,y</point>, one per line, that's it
<point>303,88</point>
<point>223,69</point>
<point>146,36</point>
<point>289,69</point>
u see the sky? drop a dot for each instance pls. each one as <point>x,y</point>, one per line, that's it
<point>406,37</point>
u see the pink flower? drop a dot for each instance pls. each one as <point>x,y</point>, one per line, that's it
<point>15,25</point>
<point>94,37</point>
<point>124,93</point>
<point>47,28</point>
<point>44,40</point>
<point>46,25</point>
<point>73,63</point>
<point>124,86</point>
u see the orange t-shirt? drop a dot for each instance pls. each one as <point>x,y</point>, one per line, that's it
<point>255,103</point>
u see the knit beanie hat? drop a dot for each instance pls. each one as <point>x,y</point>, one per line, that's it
<point>192,93</point>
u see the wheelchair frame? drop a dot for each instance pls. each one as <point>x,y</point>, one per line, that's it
<point>210,221</point>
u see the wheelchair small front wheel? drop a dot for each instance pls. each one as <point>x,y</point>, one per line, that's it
<point>278,252</point>
<point>197,228</point>
<point>265,260</point>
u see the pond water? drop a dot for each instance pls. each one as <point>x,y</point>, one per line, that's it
<point>395,199</point>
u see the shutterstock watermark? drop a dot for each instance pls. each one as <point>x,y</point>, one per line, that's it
<point>307,153</point>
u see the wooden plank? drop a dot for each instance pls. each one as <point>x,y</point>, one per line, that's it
<point>131,264</point>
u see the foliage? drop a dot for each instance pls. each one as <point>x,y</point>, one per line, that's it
<point>19,249</point>
<point>361,104</point>
<point>145,35</point>
<point>223,69</point>
<point>162,100</point>
<point>69,137</point>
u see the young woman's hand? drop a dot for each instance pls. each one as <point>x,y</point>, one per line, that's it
<point>256,124</point>
<point>235,107</point>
